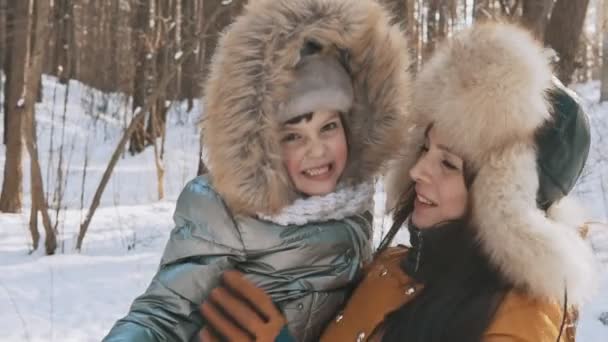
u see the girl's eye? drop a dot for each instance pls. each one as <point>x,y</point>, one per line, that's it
<point>329,127</point>
<point>290,137</point>
<point>424,149</point>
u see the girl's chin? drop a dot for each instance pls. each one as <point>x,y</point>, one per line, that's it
<point>318,188</point>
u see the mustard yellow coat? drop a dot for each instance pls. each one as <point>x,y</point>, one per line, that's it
<point>386,287</point>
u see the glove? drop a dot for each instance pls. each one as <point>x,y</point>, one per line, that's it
<point>240,311</point>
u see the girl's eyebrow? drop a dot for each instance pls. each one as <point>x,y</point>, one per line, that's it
<point>294,121</point>
<point>445,148</point>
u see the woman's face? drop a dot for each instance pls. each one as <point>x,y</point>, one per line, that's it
<point>441,192</point>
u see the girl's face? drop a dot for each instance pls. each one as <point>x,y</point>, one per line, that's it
<point>314,151</point>
<point>441,192</point>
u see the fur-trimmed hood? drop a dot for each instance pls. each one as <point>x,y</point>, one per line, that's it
<point>485,91</point>
<point>247,87</point>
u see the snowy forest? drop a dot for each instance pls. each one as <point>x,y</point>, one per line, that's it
<point>101,104</point>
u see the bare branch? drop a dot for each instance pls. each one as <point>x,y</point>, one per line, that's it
<point>138,119</point>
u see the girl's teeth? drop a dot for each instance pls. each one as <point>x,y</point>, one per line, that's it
<point>317,171</point>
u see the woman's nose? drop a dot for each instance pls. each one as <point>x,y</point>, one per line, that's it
<point>420,172</point>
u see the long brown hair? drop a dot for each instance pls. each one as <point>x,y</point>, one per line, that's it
<point>460,305</point>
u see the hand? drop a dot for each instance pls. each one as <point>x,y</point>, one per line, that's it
<point>240,311</point>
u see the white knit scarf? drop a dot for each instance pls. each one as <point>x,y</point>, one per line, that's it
<point>344,202</point>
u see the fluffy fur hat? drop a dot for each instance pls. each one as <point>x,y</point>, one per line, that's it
<point>485,91</point>
<point>247,93</point>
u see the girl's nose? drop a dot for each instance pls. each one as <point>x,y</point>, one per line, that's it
<point>317,149</point>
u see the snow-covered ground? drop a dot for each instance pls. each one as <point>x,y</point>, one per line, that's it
<point>78,296</point>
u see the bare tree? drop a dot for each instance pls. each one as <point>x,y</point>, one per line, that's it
<point>145,60</point>
<point>138,119</point>
<point>7,29</point>
<point>535,14</point>
<point>190,72</point>
<point>38,33</point>
<point>2,34</point>
<point>563,34</point>
<point>481,9</point>
<point>216,24</point>
<point>139,116</point>
<point>18,48</point>
<point>64,37</point>
<point>604,32</point>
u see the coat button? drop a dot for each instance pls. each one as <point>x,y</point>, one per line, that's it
<point>384,272</point>
<point>410,290</point>
<point>360,337</point>
<point>339,317</point>
<point>300,306</point>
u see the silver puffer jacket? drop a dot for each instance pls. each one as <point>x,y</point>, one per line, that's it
<point>307,269</point>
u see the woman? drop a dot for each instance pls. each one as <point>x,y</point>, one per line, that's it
<point>488,260</point>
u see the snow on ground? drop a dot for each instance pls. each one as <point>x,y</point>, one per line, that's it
<point>78,296</point>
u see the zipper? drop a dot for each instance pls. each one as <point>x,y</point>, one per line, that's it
<point>419,250</point>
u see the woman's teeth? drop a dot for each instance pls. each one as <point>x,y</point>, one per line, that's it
<point>317,171</point>
<point>425,200</point>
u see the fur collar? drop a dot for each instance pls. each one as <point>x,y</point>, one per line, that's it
<point>345,201</point>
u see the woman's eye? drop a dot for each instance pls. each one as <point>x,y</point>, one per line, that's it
<point>449,165</point>
<point>424,149</point>
<point>330,126</point>
<point>290,137</point>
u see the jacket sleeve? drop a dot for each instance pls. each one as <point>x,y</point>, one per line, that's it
<point>204,242</point>
<point>521,319</point>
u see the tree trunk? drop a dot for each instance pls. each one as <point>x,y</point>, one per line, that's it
<point>604,91</point>
<point>481,9</point>
<point>144,65</point>
<point>432,26</point>
<point>563,34</point>
<point>64,36</point>
<point>12,186</point>
<point>189,88</point>
<point>34,224</point>
<point>177,46</point>
<point>9,20</point>
<point>535,14</point>
<point>216,16</point>
<point>114,44</point>
<point>2,34</point>
<point>158,114</point>
<point>30,89</point>
<point>158,158</point>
